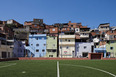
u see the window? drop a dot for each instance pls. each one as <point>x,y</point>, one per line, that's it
<point>8,54</point>
<point>97,43</point>
<point>42,38</point>
<point>35,25</point>
<point>53,50</point>
<point>20,45</point>
<point>71,25</point>
<point>67,47</point>
<point>50,55</point>
<point>76,29</point>
<point>114,36</point>
<point>85,54</point>
<point>65,39</point>
<point>44,44</point>
<point>60,40</point>
<point>68,40</point>
<point>54,45</point>
<point>53,29</point>
<point>36,38</point>
<point>111,48</point>
<point>112,41</point>
<point>111,31</point>
<point>85,47</point>
<point>37,50</point>
<point>37,44</point>
<point>43,50</point>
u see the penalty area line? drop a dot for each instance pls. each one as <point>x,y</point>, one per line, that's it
<point>91,68</point>
<point>8,65</point>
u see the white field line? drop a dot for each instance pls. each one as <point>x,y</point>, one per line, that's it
<point>58,73</point>
<point>91,68</point>
<point>7,65</point>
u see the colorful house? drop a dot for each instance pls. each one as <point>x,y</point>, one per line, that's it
<point>19,48</point>
<point>37,45</point>
<point>83,48</point>
<point>66,46</point>
<point>101,49</point>
<point>51,48</point>
<point>6,47</point>
<point>111,48</point>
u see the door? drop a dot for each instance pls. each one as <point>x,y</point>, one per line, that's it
<point>73,54</point>
<point>4,55</point>
<point>85,54</point>
<point>96,56</point>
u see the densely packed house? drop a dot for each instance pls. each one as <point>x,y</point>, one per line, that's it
<point>64,40</point>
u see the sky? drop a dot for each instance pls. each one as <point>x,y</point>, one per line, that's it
<point>90,13</point>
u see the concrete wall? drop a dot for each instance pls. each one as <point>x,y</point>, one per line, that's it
<point>7,49</point>
<point>67,53</point>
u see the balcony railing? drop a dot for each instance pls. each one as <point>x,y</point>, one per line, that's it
<point>84,36</point>
<point>66,43</point>
<point>67,36</point>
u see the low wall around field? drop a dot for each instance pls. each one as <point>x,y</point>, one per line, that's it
<point>23,58</point>
<point>108,59</point>
<point>8,59</point>
<point>26,58</point>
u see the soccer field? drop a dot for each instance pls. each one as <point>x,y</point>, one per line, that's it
<point>67,68</point>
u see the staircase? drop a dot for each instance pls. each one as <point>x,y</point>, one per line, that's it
<point>30,49</point>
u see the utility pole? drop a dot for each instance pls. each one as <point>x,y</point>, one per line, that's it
<point>6,48</point>
<point>61,42</point>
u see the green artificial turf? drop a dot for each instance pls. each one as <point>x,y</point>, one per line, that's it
<point>48,68</point>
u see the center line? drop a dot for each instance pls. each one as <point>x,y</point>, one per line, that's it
<point>58,73</point>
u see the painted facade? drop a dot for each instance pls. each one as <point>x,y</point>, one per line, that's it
<point>66,46</point>
<point>37,45</point>
<point>111,48</point>
<point>101,49</point>
<point>83,48</point>
<point>6,47</point>
<point>19,48</point>
<point>51,48</point>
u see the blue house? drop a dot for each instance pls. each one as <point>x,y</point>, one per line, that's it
<point>37,45</point>
<point>100,50</point>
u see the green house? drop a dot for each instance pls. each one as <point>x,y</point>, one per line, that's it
<point>51,46</point>
<point>111,48</point>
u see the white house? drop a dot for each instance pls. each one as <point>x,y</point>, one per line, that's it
<point>67,46</point>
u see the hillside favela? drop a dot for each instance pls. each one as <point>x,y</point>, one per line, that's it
<point>60,40</point>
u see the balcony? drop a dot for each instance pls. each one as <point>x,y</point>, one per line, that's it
<point>66,43</point>
<point>84,36</point>
<point>66,36</point>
